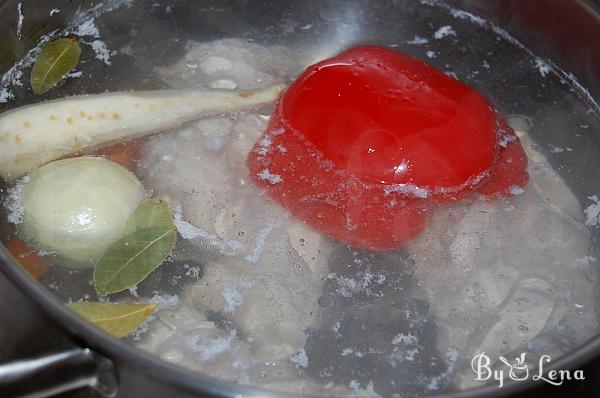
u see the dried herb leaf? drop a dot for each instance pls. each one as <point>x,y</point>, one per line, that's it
<point>131,259</point>
<point>152,213</point>
<point>115,318</point>
<point>150,237</point>
<point>54,61</point>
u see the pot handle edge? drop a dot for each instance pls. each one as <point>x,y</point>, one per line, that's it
<point>59,372</point>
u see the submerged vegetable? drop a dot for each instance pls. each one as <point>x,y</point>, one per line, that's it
<point>364,144</point>
<point>55,60</point>
<point>127,154</point>
<point>27,257</point>
<point>150,237</point>
<point>114,318</point>
<point>77,207</point>
<point>37,134</point>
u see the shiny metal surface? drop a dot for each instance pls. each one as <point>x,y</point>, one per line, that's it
<point>57,373</point>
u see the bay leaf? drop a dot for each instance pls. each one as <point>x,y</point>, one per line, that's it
<point>131,259</point>
<point>152,213</point>
<point>55,60</point>
<point>117,319</point>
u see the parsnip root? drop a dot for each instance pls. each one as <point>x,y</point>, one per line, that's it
<point>34,135</point>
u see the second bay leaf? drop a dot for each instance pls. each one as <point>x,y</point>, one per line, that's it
<point>117,319</point>
<point>54,61</point>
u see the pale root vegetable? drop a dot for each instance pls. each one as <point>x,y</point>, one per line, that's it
<point>34,135</point>
<point>77,207</point>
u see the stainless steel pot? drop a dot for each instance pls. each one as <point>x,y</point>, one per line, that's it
<point>566,31</point>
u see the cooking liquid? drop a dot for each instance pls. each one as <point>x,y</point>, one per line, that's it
<point>255,296</point>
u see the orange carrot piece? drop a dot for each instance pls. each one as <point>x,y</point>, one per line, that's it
<point>27,257</point>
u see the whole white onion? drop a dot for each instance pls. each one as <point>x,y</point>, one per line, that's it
<point>77,207</point>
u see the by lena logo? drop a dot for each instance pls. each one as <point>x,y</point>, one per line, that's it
<point>519,370</point>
